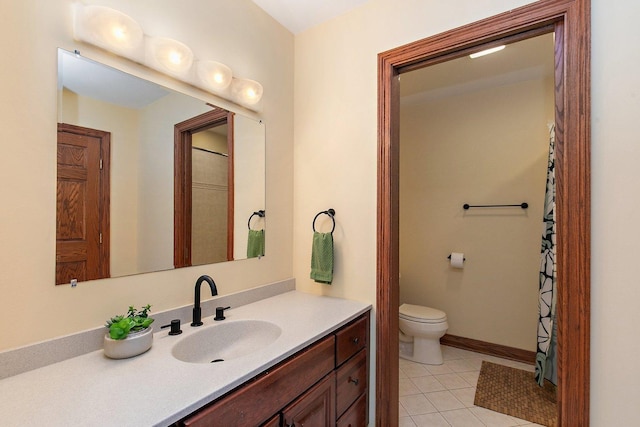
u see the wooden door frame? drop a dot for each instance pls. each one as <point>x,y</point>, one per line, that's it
<point>571,19</point>
<point>183,178</point>
<point>104,198</point>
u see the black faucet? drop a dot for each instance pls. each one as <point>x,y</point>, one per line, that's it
<point>197,311</point>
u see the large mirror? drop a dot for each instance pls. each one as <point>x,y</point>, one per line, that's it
<point>150,179</point>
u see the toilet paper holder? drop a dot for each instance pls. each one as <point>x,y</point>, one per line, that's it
<point>463,259</point>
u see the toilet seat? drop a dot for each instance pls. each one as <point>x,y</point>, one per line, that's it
<point>421,314</point>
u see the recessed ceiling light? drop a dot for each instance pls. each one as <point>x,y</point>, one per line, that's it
<point>486,52</point>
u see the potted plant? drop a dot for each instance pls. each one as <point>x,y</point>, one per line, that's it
<point>129,335</point>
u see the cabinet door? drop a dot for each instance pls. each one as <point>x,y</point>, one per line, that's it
<point>356,415</point>
<point>257,401</point>
<point>315,408</point>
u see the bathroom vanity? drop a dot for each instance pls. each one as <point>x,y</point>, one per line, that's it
<point>323,384</point>
<point>315,370</point>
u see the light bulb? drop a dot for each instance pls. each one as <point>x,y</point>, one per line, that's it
<point>109,29</point>
<point>246,91</point>
<point>119,33</point>
<point>214,75</point>
<point>169,56</point>
<point>175,57</point>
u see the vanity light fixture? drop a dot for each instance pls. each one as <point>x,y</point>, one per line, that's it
<point>214,75</point>
<point>245,91</point>
<point>168,56</point>
<point>118,33</point>
<point>109,29</point>
<point>486,52</point>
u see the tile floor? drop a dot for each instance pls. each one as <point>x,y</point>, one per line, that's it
<point>442,396</point>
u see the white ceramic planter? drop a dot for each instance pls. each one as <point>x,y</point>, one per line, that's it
<point>134,344</point>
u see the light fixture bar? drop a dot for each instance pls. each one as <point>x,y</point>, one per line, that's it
<point>118,33</point>
<point>486,52</point>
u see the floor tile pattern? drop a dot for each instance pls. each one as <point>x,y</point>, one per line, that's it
<point>442,396</point>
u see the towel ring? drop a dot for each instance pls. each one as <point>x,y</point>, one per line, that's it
<point>260,213</point>
<point>331,213</point>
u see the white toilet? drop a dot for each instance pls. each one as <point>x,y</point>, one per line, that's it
<point>420,331</point>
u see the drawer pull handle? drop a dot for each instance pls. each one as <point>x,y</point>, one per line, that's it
<point>355,381</point>
<point>355,340</point>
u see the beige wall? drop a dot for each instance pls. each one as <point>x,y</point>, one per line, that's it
<point>211,140</point>
<point>482,147</point>
<point>244,38</point>
<point>248,181</point>
<point>335,91</point>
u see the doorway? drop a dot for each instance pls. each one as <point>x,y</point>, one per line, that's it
<point>476,131</point>
<point>82,204</point>
<point>184,180</point>
<point>570,22</point>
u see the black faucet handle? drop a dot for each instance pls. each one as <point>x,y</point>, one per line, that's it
<point>220,313</point>
<point>175,327</point>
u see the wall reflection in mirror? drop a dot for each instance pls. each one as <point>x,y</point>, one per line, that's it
<point>127,162</point>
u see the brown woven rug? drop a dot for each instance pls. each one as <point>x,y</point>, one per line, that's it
<point>515,392</point>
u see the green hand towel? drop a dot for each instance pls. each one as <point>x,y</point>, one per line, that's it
<point>255,244</point>
<point>322,258</point>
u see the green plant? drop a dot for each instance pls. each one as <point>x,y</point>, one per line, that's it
<point>120,326</point>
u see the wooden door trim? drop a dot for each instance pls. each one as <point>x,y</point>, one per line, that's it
<point>104,199</point>
<point>231,186</point>
<point>572,19</point>
<point>183,179</point>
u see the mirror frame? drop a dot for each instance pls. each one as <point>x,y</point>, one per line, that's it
<point>571,21</point>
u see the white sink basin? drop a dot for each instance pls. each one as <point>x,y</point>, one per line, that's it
<point>225,341</point>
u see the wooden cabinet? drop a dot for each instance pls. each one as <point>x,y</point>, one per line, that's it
<point>325,384</point>
<point>356,415</point>
<point>352,373</point>
<point>315,408</point>
<point>351,338</point>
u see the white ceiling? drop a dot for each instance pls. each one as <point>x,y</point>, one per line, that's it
<point>299,15</point>
<point>89,78</point>
<point>524,60</point>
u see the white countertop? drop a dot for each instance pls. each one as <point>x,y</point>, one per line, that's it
<point>155,388</point>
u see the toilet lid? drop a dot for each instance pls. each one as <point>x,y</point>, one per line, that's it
<point>419,313</point>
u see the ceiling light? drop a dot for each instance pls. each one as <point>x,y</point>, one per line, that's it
<point>486,52</point>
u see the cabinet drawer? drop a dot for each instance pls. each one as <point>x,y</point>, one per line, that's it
<point>259,400</point>
<point>351,339</point>
<point>356,415</point>
<point>351,381</point>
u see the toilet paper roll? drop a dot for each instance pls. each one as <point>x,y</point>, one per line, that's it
<point>457,259</point>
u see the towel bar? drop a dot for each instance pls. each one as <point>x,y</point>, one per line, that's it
<point>523,205</point>
<point>260,213</point>
<point>331,213</point>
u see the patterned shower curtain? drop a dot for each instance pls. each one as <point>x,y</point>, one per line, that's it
<point>546,366</point>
